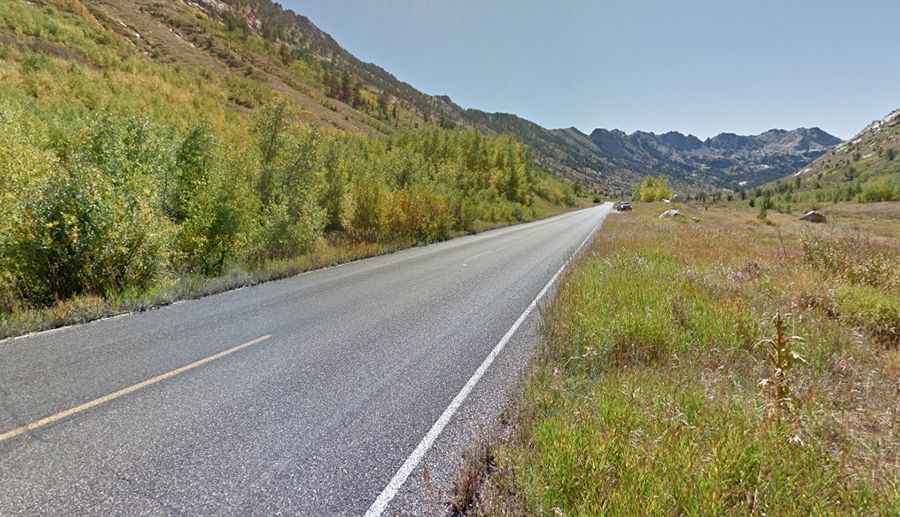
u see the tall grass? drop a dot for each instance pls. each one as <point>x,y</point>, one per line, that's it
<point>666,384</point>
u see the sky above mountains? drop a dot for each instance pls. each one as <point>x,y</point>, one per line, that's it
<point>699,67</point>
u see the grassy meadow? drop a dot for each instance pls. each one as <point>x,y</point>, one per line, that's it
<point>712,364</point>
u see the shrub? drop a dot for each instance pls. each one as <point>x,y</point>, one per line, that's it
<point>569,198</point>
<point>466,213</point>
<point>289,229</point>
<point>291,220</point>
<point>127,149</point>
<point>654,189</point>
<point>873,309</point>
<point>420,213</point>
<point>81,235</point>
<point>193,161</point>
<point>884,190</point>
<point>370,212</point>
<point>337,196</point>
<point>208,239</point>
<point>855,259</point>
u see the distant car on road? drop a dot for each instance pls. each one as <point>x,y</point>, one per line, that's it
<point>622,206</point>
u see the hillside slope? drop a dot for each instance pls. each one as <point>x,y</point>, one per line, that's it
<point>870,156</point>
<point>155,150</point>
<point>866,169</point>
<point>318,50</point>
<point>252,42</point>
<point>256,48</point>
<point>568,153</point>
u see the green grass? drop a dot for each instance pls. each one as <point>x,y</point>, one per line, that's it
<point>654,394</point>
<point>653,442</point>
<point>872,309</point>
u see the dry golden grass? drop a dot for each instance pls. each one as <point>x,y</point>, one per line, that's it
<point>662,386</point>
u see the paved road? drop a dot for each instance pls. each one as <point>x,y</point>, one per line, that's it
<point>298,397</point>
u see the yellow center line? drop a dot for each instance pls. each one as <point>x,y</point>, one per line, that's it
<point>37,424</point>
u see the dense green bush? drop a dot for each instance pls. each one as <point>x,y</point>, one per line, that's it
<point>654,189</point>
<point>211,233</point>
<point>465,213</point>
<point>102,201</point>
<point>883,190</point>
<point>290,221</point>
<point>336,196</point>
<point>193,161</point>
<point>83,234</point>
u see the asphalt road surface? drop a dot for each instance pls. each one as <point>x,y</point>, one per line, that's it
<point>314,395</point>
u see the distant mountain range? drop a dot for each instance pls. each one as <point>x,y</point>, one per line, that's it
<point>725,160</point>
<point>618,160</point>
<point>336,89</point>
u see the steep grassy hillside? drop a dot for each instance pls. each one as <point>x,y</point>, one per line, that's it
<point>865,169</point>
<point>156,150</point>
<point>255,47</point>
<point>568,152</point>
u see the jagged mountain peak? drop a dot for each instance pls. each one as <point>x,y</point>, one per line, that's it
<point>680,140</point>
<point>725,160</point>
<point>609,157</point>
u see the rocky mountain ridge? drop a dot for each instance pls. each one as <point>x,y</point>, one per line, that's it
<point>726,160</point>
<point>611,159</point>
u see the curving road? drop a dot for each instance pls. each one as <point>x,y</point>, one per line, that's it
<point>304,396</point>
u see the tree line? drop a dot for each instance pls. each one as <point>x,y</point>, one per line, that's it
<point>118,201</point>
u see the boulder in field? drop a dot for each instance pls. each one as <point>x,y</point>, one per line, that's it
<point>670,213</point>
<point>813,216</point>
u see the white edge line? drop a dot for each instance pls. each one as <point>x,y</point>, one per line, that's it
<point>390,491</point>
<point>54,330</point>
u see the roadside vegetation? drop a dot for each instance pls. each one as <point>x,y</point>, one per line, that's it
<point>712,364</point>
<point>797,194</point>
<point>653,189</point>
<point>127,182</point>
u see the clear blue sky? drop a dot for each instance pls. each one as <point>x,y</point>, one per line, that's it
<point>696,66</point>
